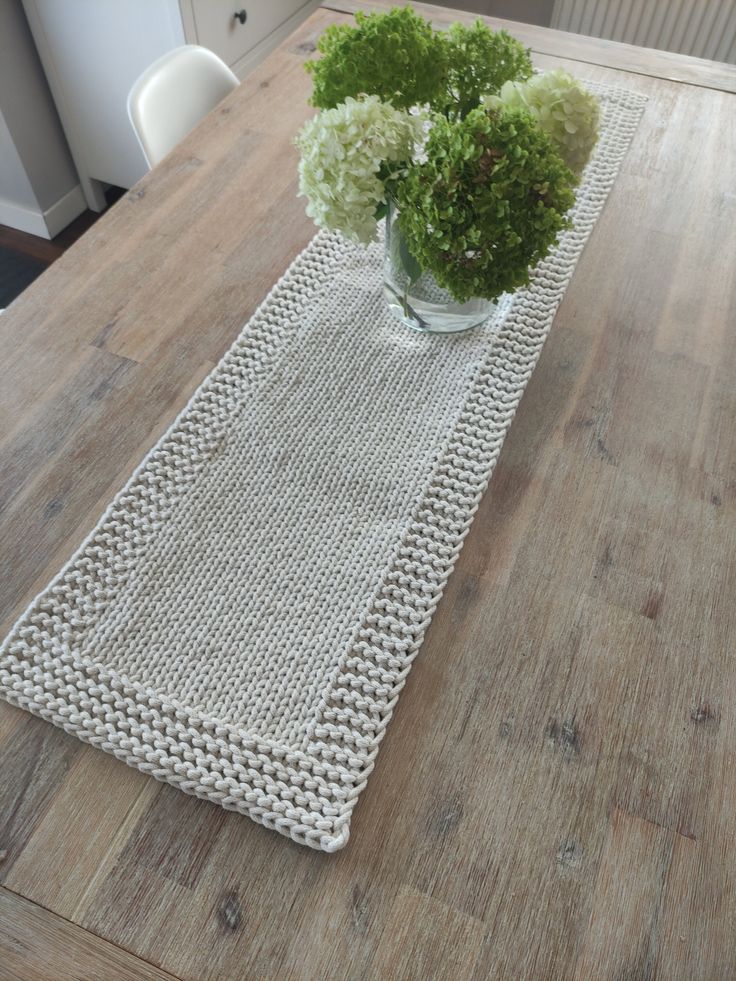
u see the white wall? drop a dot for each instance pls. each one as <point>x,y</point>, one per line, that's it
<point>14,183</point>
<point>39,186</point>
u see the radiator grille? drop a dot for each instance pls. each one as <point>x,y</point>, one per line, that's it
<point>704,28</point>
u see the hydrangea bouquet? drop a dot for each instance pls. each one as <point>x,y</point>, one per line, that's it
<point>471,157</point>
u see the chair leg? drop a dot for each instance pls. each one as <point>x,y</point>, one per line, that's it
<point>93,192</point>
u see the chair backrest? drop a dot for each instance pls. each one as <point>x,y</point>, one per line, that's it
<point>173,94</point>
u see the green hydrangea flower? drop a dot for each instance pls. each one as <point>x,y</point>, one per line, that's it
<point>346,154</point>
<point>487,203</point>
<point>563,107</point>
<point>396,55</point>
<point>479,62</point>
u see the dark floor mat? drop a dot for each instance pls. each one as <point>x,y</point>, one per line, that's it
<point>17,271</point>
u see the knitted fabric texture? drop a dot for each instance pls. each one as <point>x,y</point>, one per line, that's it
<point>244,615</point>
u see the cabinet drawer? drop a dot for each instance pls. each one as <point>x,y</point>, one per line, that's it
<point>217,27</point>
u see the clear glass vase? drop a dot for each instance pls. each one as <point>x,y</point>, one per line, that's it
<point>414,296</point>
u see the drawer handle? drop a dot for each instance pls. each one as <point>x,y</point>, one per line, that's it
<point>241,15</point>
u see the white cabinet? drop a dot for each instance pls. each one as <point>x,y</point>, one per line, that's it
<point>93,50</point>
<point>218,26</point>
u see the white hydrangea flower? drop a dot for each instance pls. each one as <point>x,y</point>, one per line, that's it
<point>342,151</point>
<point>564,108</point>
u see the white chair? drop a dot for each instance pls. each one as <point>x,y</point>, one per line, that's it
<point>173,94</point>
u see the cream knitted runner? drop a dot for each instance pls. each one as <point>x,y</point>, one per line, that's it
<point>242,619</point>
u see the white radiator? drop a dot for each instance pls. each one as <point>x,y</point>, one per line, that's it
<point>704,28</point>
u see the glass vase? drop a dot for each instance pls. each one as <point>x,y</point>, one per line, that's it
<point>413,294</point>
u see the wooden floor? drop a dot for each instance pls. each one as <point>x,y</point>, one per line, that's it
<point>45,251</point>
<point>556,796</point>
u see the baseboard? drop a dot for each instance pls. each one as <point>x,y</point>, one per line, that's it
<point>65,210</point>
<point>23,219</point>
<point>44,224</point>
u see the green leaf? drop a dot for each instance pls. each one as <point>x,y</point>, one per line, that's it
<point>496,212</point>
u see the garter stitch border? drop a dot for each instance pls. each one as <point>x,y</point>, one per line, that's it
<point>306,793</point>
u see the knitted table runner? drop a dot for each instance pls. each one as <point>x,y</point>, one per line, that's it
<point>243,617</point>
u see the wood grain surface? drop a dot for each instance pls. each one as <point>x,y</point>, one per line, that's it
<point>37,945</point>
<point>556,796</point>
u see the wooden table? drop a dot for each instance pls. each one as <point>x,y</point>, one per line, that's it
<point>556,797</point>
